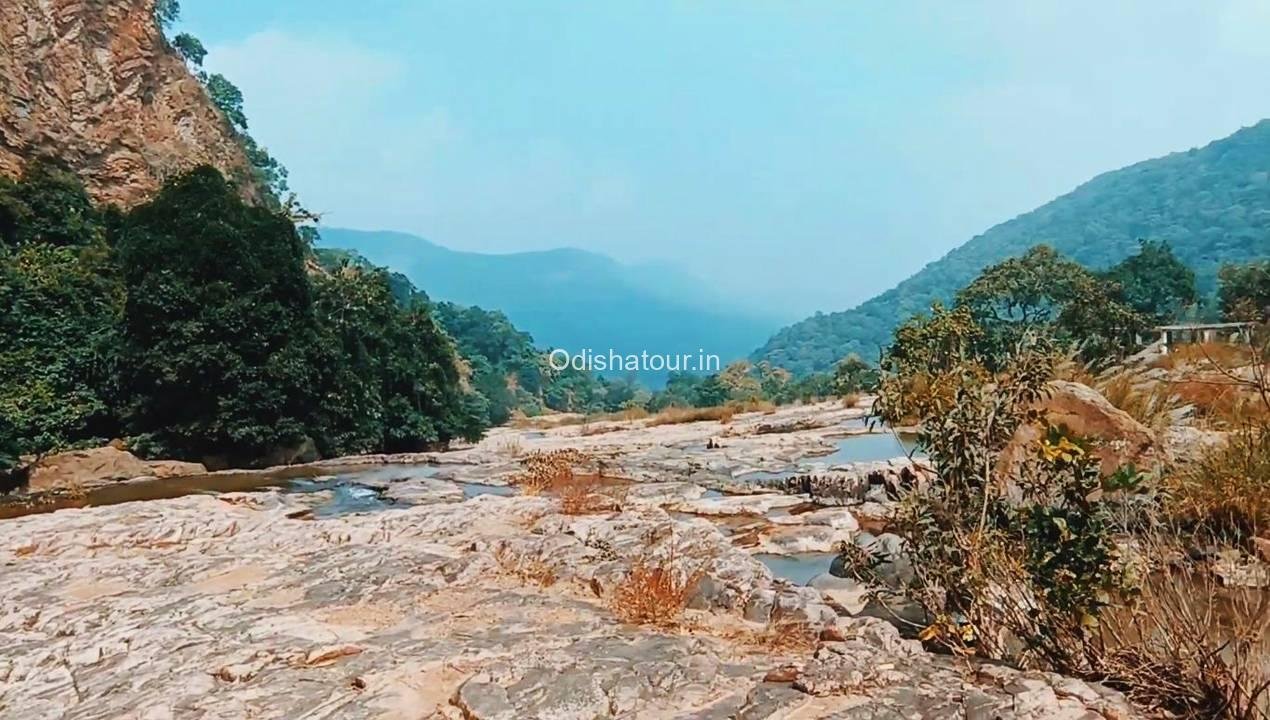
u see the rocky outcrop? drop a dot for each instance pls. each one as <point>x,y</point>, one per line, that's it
<point>877,482</point>
<point>1119,438</point>
<point>84,469</point>
<point>95,85</point>
<point>497,608</point>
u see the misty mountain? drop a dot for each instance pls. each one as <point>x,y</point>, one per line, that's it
<point>570,298</point>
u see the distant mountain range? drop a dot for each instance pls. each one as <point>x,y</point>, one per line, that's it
<point>569,298</point>
<point>1212,204</point>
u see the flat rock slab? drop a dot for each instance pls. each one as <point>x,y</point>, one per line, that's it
<point>215,608</point>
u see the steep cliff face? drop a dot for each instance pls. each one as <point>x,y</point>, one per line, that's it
<point>93,83</point>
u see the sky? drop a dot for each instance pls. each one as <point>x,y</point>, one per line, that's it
<point>798,155</point>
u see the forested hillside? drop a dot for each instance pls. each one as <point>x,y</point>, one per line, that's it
<point>568,298</point>
<point>1211,204</point>
<point>190,327</point>
<point>505,369</point>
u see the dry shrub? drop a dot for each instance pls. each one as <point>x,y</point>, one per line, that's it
<point>588,430</point>
<point>1149,403</point>
<point>555,473</point>
<point>531,571</point>
<point>850,400</point>
<point>677,415</point>
<point>752,405</point>
<point>1190,647</point>
<point>546,421</point>
<point>786,635</point>
<point>1204,355</point>
<point>1221,401</point>
<point>580,494</point>
<point>1073,370</point>
<point>544,470</point>
<point>1226,490</point>
<point>658,587</point>
<point>510,446</point>
<point>633,413</point>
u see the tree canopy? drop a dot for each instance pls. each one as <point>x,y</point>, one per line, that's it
<point>192,327</point>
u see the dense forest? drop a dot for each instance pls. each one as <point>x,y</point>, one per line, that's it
<point>193,327</point>
<point>1210,204</point>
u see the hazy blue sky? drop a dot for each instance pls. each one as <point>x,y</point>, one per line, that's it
<point>806,153</point>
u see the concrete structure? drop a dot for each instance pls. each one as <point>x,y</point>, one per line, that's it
<point>1231,332</point>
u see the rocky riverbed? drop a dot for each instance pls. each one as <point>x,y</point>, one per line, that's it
<point>447,598</point>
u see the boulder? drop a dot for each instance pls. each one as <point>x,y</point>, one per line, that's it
<point>84,468</point>
<point>79,469</point>
<point>174,468</point>
<point>847,593</point>
<point>1119,438</point>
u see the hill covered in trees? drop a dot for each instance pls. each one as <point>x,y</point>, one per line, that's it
<point>191,326</point>
<point>1210,204</point>
<point>569,298</point>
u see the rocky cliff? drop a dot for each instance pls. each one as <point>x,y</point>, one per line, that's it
<point>93,83</point>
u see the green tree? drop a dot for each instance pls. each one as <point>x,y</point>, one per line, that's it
<point>166,12</point>
<point>1154,282</point>
<point>1244,292</point>
<point>228,99</point>
<point>60,304</point>
<point>853,375</point>
<point>220,339</point>
<point>1042,290</point>
<point>190,48</point>
<point>354,312</point>
<point>712,392</point>
<point>47,205</point>
<point>424,407</point>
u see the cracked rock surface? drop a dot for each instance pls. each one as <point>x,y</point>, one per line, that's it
<point>493,608</point>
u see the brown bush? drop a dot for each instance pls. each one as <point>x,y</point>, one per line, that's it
<point>580,495</point>
<point>1226,491</point>
<point>1221,401</point>
<point>1204,355</point>
<point>531,571</point>
<point>657,589</point>
<point>677,415</point>
<point>1190,647</point>
<point>544,470</point>
<point>1149,403</point>
<point>786,635</point>
<point>850,400</point>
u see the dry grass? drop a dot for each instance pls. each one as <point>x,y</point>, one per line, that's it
<point>677,415</point>
<point>785,636</point>
<point>510,446</point>
<point>556,473</point>
<point>1220,401</point>
<point>1149,403</point>
<point>1073,370</point>
<point>657,589</point>
<point>558,420</point>
<point>531,571</point>
<point>1226,491</point>
<point>580,495</point>
<point>850,400</point>
<point>719,413</point>
<point>588,430</point>
<point>545,470</point>
<point>1190,647</point>
<point>1205,355</point>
